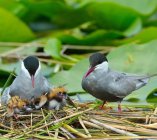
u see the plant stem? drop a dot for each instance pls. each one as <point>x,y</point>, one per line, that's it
<point>8,80</point>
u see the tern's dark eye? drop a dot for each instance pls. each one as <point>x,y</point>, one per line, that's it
<point>60,93</point>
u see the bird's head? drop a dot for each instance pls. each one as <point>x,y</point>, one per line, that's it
<point>58,93</point>
<point>97,61</point>
<point>21,104</point>
<point>31,67</point>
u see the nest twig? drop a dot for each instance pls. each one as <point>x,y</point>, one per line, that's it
<point>80,122</point>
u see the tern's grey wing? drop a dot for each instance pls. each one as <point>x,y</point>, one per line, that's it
<point>18,86</point>
<point>140,80</point>
<point>5,96</point>
<point>46,87</point>
<point>122,84</point>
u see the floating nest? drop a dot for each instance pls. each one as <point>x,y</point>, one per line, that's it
<point>83,122</point>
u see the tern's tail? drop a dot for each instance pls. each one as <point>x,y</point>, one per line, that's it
<point>146,76</point>
<point>142,81</point>
<point>152,75</point>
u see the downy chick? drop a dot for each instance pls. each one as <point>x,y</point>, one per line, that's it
<point>16,106</point>
<point>57,98</point>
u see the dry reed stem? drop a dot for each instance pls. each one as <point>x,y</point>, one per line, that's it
<point>46,124</point>
<point>62,119</point>
<point>71,129</point>
<point>92,125</point>
<point>68,134</point>
<point>112,128</point>
<point>84,127</point>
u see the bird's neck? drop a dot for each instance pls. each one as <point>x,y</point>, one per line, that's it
<point>26,75</point>
<point>103,67</point>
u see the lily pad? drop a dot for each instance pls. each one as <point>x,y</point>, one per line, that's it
<point>53,48</point>
<point>147,34</point>
<point>14,7</point>
<point>61,14</point>
<point>97,37</point>
<point>99,12</point>
<point>13,29</point>
<point>71,78</point>
<point>152,97</point>
<point>143,7</point>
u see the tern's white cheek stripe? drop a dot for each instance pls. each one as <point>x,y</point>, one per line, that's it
<point>38,70</point>
<point>25,70</point>
<point>103,66</point>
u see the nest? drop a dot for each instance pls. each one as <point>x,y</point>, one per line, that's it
<point>84,122</point>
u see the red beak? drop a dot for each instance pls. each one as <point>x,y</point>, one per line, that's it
<point>32,78</point>
<point>89,71</point>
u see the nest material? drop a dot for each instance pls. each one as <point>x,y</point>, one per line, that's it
<point>83,122</point>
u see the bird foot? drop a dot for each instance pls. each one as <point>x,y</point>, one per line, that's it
<point>16,116</point>
<point>119,109</point>
<point>106,108</point>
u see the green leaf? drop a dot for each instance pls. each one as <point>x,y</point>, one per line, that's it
<point>14,7</point>
<point>134,28</point>
<point>104,16</point>
<point>5,70</point>
<point>152,97</point>
<point>71,78</point>
<point>98,37</point>
<point>13,29</point>
<point>143,7</point>
<point>61,14</point>
<point>53,48</point>
<point>147,34</point>
<point>127,16</point>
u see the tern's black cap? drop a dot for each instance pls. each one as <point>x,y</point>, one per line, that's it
<point>31,63</point>
<point>97,58</point>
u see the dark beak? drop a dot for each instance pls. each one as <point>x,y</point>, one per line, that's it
<point>62,96</point>
<point>33,82</point>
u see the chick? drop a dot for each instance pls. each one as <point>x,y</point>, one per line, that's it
<point>16,106</point>
<point>41,101</point>
<point>57,98</point>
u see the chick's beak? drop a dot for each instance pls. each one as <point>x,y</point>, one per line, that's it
<point>62,96</point>
<point>33,82</point>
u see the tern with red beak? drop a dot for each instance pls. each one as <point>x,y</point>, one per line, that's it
<point>109,85</point>
<point>29,84</point>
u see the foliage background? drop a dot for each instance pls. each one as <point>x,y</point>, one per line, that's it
<point>63,33</point>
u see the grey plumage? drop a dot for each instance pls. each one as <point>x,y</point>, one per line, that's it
<point>109,85</point>
<point>23,86</point>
